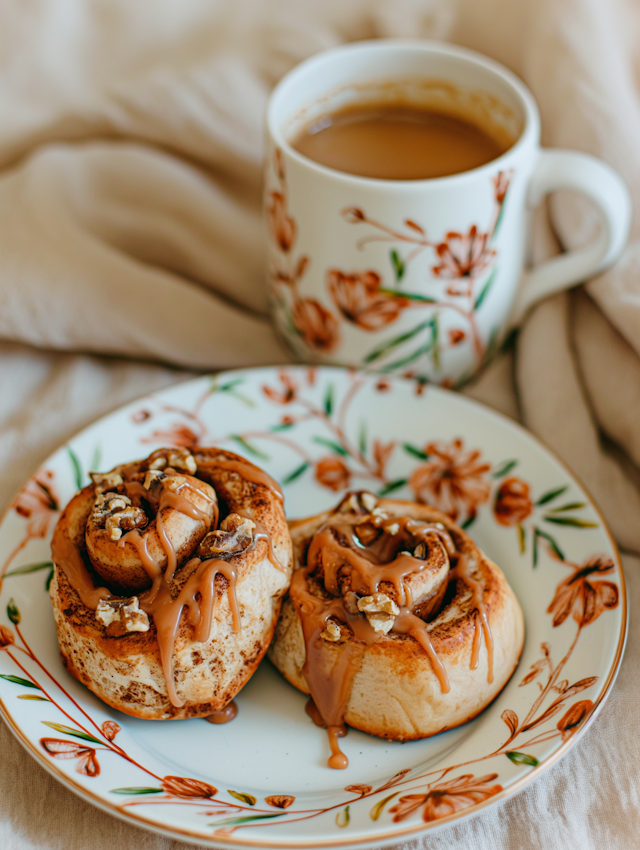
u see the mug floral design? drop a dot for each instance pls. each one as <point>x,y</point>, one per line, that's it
<point>513,502</point>
<point>360,301</point>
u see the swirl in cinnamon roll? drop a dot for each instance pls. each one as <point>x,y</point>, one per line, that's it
<point>396,623</point>
<point>168,580</point>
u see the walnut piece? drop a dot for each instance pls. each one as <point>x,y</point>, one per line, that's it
<point>380,610</point>
<point>233,537</point>
<point>125,519</point>
<point>120,616</point>
<point>358,503</point>
<point>152,476</point>
<point>104,481</point>
<point>332,632</point>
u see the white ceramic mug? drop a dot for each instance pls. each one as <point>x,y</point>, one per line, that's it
<point>417,276</point>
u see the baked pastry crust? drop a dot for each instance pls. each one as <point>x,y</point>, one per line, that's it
<point>395,692</point>
<point>126,670</point>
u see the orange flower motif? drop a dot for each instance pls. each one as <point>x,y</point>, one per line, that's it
<point>453,479</point>
<point>456,336</point>
<point>6,637</point>
<point>331,472</point>
<point>501,185</point>
<point>574,717</point>
<point>37,501</point>
<point>283,227</point>
<point>513,504</point>
<point>110,729</point>
<point>288,392</point>
<point>463,255</point>
<point>180,786</point>
<point>280,801</point>
<point>318,326</point>
<point>176,435</point>
<point>87,762</point>
<point>582,597</point>
<point>360,301</point>
<point>447,798</point>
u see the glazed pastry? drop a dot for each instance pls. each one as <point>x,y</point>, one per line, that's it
<point>168,579</point>
<point>396,623</point>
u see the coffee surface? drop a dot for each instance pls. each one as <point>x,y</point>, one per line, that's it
<point>398,142</point>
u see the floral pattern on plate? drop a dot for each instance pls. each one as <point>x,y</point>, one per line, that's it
<point>321,431</point>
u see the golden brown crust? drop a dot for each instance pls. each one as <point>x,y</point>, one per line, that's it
<point>125,671</point>
<point>396,694</point>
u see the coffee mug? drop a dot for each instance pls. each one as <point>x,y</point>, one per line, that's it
<point>421,277</point>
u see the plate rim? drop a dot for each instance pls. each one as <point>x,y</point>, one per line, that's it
<point>371,841</point>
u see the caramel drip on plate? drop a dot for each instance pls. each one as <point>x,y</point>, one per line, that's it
<point>67,555</point>
<point>359,556</point>
<point>225,715</point>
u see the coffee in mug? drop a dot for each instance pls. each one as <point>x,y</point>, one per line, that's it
<point>400,141</point>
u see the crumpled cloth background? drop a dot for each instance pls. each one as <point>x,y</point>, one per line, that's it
<point>131,236</point>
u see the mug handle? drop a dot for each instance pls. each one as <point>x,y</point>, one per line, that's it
<point>560,169</point>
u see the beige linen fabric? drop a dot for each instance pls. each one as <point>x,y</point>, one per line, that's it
<point>130,164</point>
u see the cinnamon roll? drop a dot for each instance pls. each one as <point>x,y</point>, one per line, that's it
<point>396,623</point>
<point>168,579</point>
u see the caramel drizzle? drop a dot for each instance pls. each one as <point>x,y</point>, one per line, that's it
<point>225,715</point>
<point>67,555</point>
<point>330,671</point>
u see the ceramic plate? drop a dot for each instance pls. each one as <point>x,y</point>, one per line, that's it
<point>263,781</point>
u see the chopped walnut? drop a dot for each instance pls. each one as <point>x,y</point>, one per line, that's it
<point>233,537</point>
<point>158,463</point>
<point>369,501</point>
<point>392,529</point>
<point>182,459</point>
<point>380,610</point>
<point>332,632</point>
<point>420,551</point>
<point>151,477</point>
<point>103,482</point>
<point>351,602</point>
<point>107,504</point>
<point>126,519</point>
<point>120,616</point>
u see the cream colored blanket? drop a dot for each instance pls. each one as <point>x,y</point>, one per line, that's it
<point>130,165</point>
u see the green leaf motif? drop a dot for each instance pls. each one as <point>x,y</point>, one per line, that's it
<point>47,583</point>
<point>522,758</point>
<point>331,444</point>
<point>328,400</point>
<point>34,697</point>
<point>468,522</point>
<point>389,345</point>
<point>343,818</point>
<point>572,521</point>
<point>398,265</point>
<point>245,819</point>
<point>553,545</point>
<point>136,790</point>
<point>416,452</point>
<point>419,352</point>
<point>282,426</point>
<point>95,460</point>
<point>19,681</point>
<point>297,472</point>
<point>13,613</point>
<point>249,799</point>
<point>376,810</point>
<point>504,468</point>
<point>77,467</point>
<point>30,568</point>
<point>550,495</point>
<point>572,506</point>
<point>392,486</point>
<point>499,220</point>
<point>522,539</point>
<point>435,341</point>
<point>362,444</point>
<point>249,447</point>
<point>68,730</point>
<point>485,289</point>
